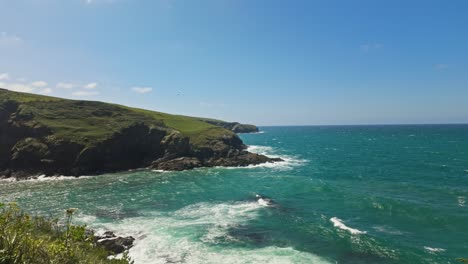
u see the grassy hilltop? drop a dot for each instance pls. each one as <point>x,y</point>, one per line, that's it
<point>89,122</point>
<point>49,135</point>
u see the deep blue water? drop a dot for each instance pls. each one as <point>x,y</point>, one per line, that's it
<point>345,194</point>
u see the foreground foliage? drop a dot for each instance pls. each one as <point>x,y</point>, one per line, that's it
<point>31,239</point>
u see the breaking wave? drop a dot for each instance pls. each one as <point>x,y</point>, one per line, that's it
<point>288,163</point>
<point>339,224</point>
<point>192,233</point>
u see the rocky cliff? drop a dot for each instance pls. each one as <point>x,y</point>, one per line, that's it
<point>53,136</point>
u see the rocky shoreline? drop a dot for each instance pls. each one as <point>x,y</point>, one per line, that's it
<point>135,147</point>
<point>187,163</point>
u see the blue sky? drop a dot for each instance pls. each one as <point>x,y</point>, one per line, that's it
<point>267,62</point>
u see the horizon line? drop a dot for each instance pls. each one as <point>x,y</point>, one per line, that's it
<point>383,124</point>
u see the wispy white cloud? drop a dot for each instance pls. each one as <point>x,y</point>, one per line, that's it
<point>64,85</point>
<point>45,91</point>
<point>18,87</point>
<point>142,90</point>
<point>90,86</point>
<point>82,93</point>
<point>39,84</point>
<point>4,76</point>
<point>371,46</point>
<point>441,66</point>
<point>42,87</point>
<point>7,39</point>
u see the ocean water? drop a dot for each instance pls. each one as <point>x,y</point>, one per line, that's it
<point>344,194</point>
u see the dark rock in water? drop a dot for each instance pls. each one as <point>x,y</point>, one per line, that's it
<point>115,244</point>
<point>107,234</point>
<point>232,159</point>
<point>243,159</point>
<point>265,201</point>
<point>250,235</point>
<point>177,164</point>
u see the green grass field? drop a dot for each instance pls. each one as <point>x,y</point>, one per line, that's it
<point>89,122</point>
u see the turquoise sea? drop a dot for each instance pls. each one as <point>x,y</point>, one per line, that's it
<point>345,194</point>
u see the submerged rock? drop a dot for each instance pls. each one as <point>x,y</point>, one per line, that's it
<point>243,159</point>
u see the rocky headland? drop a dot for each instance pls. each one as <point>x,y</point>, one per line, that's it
<point>233,126</point>
<point>54,136</point>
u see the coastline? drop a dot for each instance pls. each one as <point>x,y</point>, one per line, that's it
<point>280,162</point>
<point>50,138</point>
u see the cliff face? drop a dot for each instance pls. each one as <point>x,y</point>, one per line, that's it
<point>45,135</point>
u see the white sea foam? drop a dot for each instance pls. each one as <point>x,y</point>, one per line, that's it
<point>262,202</point>
<point>435,250</point>
<point>388,230</point>
<point>288,162</point>
<point>123,181</point>
<point>190,235</point>
<point>10,179</point>
<point>339,223</point>
<point>461,201</point>
<point>161,171</point>
<point>259,132</point>
<point>264,150</point>
<point>42,178</point>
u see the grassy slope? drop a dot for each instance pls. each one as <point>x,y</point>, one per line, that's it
<point>89,122</point>
<point>28,239</point>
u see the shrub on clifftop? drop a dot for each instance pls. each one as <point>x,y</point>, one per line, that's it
<point>29,239</point>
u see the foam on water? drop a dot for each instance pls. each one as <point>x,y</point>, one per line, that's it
<point>161,171</point>
<point>288,163</point>
<point>434,250</point>
<point>259,132</point>
<point>339,223</point>
<point>262,202</point>
<point>388,230</point>
<point>192,234</point>
<point>42,178</point>
<point>84,218</point>
<point>264,150</point>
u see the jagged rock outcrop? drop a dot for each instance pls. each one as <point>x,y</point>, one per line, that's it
<point>114,244</point>
<point>177,164</point>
